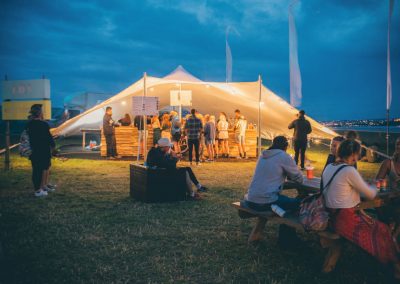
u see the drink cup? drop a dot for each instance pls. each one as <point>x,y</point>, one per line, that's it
<point>310,172</point>
<point>378,184</point>
<point>383,184</point>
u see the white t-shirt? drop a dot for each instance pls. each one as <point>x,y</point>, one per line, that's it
<point>346,187</point>
<point>241,126</point>
<point>223,129</point>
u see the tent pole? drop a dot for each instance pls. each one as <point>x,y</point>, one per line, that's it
<point>387,132</point>
<point>180,102</point>
<point>145,121</point>
<point>259,117</point>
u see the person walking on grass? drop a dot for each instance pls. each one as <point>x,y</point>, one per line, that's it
<point>42,145</point>
<point>193,128</point>
<point>302,128</point>
<point>109,134</point>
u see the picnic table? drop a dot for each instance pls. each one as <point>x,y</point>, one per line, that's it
<point>330,240</point>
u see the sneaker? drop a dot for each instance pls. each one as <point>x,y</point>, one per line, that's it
<point>40,193</point>
<point>202,189</point>
<point>303,169</point>
<point>119,157</point>
<point>51,186</point>
<point>238,157</point>
<point>48,189</point>
<point>195,197</point>
<point>198,164</point>
<point>110,158</point>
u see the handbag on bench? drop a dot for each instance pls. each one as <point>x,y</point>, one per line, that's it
<point>313,215</point>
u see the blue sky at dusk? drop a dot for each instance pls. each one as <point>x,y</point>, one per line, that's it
<point>104,46</point>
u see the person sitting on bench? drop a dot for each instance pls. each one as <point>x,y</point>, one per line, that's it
<point>273,167</point>
<point>164,157</point>
<point>333,149</point>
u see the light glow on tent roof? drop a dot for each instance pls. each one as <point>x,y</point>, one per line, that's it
<point>123,103</point>
<point>207,86</point>
<point>151,89</point>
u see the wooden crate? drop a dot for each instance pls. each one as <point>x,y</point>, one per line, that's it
<point>157,185</point>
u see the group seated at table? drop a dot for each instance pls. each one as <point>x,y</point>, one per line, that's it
<point>344,188</point>
<point>162,156</point>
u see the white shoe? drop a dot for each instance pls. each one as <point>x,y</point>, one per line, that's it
<point>40,193</point>
<point>48,188</point>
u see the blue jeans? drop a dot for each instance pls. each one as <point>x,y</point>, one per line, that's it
<point>285,202</point>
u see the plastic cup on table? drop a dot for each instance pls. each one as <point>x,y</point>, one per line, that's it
<point>310,172</point>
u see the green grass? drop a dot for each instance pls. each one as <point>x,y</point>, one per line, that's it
<point>90,230</point>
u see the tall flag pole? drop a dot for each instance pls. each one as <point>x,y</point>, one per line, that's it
<point>228,54</point>
<point>388,77</point>
<point>259,116</point>
<point>295,75</point>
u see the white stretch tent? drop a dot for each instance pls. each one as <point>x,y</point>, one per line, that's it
<point>207,97</point>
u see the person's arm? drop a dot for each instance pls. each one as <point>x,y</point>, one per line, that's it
<point>291,125</point>
<point>50,138</point>
<point>383,170</point>
<point>206,129</point>
<point>309,129</point>
<point>291,170</point>
<point>170,160</point>
<point>359,185</point>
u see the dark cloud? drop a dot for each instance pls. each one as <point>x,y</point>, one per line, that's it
<point>104,46</point>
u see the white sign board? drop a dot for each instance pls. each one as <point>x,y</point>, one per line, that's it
<point>26,89</point>
<point>181,98</point>
<point>145,105</point>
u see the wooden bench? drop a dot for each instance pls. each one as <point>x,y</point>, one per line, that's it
<point>328,239</point>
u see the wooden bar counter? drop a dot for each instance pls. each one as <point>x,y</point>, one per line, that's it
<point>127,142</point>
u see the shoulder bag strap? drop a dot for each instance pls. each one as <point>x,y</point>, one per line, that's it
<point>322,187</point>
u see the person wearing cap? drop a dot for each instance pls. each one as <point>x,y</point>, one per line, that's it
<point>164,157</point>
<point>109,133</point>
<point>42,145</point>
<point>302,128</point>
<point>272,169</point>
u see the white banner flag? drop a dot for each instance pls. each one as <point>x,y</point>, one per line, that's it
<point>228,58</point>
<point>388,71</point>
<point>295,75</point>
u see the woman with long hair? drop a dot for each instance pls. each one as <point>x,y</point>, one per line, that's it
<point>223,135</point>
<point>166,126</point>
<point>342,196</point>
<point>155,124</point>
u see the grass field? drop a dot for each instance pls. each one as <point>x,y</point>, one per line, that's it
<point>91,231</point>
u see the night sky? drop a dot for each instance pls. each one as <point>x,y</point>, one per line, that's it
<point>104,46</point>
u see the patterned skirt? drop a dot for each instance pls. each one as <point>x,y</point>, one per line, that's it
<point>368,233</point>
